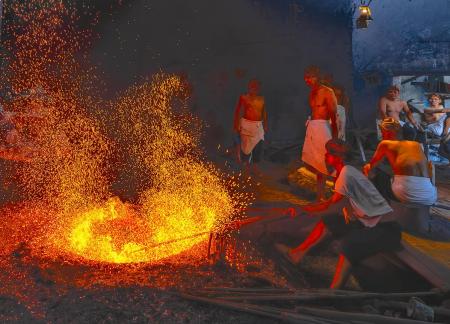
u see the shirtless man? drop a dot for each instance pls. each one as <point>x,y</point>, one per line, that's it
<point>250,121</point>
<point>320,128</point>
<point>390,105</point>
<point>411,181</point>
<point>436,118</point>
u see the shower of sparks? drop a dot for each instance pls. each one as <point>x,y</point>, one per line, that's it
<point>181,197</point>
<point>68,175</point>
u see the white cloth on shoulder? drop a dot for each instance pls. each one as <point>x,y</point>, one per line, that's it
<point>318,133</point>
<point>340,121</point>
<point>417,190</point>
<point>252,132</point>
<point>367,203</point>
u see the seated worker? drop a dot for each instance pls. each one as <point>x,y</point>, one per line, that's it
<point>390,105</point>
<point>411,181</point>
<point>354,214</point>
<point>436,117</point>
<point>252,124</point>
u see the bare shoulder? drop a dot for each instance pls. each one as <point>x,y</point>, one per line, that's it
<point>413,144</point>
<point>383,99</point>
<point>244,98</point>
<point>326,90</point>
<point>388,144</point>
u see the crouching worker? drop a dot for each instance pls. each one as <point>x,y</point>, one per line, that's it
<point>411,182</point>
<point>354,214</point>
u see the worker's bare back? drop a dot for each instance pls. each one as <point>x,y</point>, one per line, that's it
<point>253,107</point>
<point>405,157</point>
<point>322,102</point>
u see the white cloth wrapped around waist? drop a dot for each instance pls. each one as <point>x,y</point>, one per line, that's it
<point>318,133</point>
<point>412,189</point>
<point>252,132</point>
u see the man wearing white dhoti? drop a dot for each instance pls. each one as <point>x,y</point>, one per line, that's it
<point>320,128</point>
<point>250,122</point>
<point>318,133</point>
<point>411,182</point>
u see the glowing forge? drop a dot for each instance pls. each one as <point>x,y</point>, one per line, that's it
<point>114,233</point>
<point>99,233</point>
<point>170,221</point>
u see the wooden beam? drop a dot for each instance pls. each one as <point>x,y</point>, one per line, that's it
<point>272,312</point>
<point>411,79</point>
<point>431,270</point>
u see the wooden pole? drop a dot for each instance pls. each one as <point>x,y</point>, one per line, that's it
<point>272,312</point>
<point>355,317</point>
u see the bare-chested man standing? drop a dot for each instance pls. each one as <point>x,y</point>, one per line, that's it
<point>411,181</point>
<point>252,124</point>
<point>390,105</point>
<point>320,128</point>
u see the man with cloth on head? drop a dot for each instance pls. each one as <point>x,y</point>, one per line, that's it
<point>356,214</point>
<point>320,128</point>
<point>252,124</point>
<point>411,182</point>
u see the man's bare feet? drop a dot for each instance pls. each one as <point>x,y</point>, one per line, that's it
<point>287,253</point>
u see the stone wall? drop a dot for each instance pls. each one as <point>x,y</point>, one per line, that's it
<point>220,45</point>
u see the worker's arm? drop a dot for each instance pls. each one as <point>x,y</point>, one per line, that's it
<point>436,110</point>
<point>323,205</point>
<point>382,108</point>
<point>409,115</point>
<point>377,157</point>
<point>237,115</point>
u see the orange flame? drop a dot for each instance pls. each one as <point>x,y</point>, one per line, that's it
<point>180,196</point>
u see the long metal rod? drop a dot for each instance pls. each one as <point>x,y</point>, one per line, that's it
<point>171,241</point>
<point>232,225</point>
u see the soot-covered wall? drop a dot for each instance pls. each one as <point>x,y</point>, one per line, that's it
<point>220,45</point>
<point>406,37</point>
